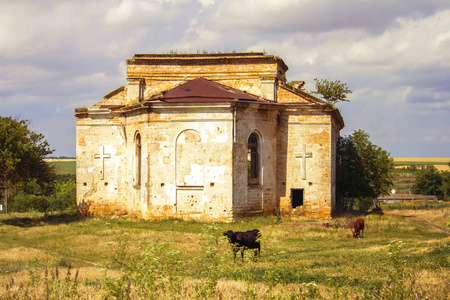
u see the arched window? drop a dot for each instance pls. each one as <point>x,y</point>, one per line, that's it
<point>253,159</point>
<point>137,159</point>
<point>190,159</point>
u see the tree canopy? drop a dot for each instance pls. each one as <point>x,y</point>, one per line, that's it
<point>363,171</point>
<point>431,181</point>
<point>331,91</point>
<point>22,153</point>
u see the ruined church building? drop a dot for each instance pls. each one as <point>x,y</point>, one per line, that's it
<point>208,137</point>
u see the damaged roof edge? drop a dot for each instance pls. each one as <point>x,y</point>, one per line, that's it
<point>303,94</point>
<point>115,92</point>
<point>205,59</point>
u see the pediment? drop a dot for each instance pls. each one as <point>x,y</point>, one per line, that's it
<point>204,90</point>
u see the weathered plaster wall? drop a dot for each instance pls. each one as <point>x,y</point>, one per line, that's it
<point>189,162</point>
<point>334,139</point>
<point>259,79</point>
<point>136,190</point>
<point>287,95</point>
<point>99,188</point>
<point>116,97</point>
<point>308,170</point>
<point>186,163</point>
<point>259,197</point>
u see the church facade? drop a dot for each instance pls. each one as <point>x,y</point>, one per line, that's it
<point>208,137</point>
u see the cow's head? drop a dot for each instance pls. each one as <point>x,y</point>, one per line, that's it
<point>229,235</point>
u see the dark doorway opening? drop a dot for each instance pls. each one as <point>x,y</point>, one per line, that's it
<point>297,197</point>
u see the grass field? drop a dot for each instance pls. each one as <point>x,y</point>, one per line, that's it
<point>404,254</point>
<point>64,166</point>
<point>405,175</point>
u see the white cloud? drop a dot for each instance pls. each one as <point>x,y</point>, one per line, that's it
<point>130,12</point>
<point>394,56</point>
<point>285,16</point>
<point>88,78</point>
<point>18,74</point>
<point>206,3</point>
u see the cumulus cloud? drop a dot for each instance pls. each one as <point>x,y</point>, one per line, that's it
<point>130,13</point>
<point>317,15</point>
<point>57,55</point>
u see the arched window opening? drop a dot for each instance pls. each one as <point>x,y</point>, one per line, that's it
<point>253,159</point>
<point>138,161</point>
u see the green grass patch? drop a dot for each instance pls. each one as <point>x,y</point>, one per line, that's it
<point>401,256</point>
<point>65,167</point>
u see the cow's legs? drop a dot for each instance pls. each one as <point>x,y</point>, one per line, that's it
<point>255,257</point>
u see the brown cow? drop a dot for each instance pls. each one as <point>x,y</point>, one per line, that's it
<point>359,227</point>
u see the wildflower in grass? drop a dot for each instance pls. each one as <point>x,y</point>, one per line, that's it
<point>313,284</point>
<point>311,290</point>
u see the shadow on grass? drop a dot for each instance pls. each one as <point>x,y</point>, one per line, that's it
<point>27,221</point>
<point>356,213</point>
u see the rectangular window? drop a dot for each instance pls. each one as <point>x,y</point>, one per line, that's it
<point>296,197</point>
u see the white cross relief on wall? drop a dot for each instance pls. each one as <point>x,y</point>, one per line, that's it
<point>102,157</point>
<point>304,155</point>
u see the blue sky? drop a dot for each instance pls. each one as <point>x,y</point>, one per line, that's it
<point>58,55</point>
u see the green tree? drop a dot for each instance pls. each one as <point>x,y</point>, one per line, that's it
<point>30,197</point>
<point>351,183</point>
<point>446,185</point>
<point>331,91</point>
<point>22,153</point>
<point>377,163</point>
<point>64,197</point>
<point>363,171</point>
<point>430,181</point>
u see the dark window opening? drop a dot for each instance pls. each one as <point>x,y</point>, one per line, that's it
<point>297,197</point>
<point>141,89</point>
<point>138,159</point>
<point>253,159</point>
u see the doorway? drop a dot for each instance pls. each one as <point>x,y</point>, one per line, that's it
<point>296,197</point>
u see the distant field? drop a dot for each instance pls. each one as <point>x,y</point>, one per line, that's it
<point>441,164</point>
<point>63,166</point>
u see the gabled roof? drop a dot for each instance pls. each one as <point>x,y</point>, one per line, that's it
<point>204,90</point>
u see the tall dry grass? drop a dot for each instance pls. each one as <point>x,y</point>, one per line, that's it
<point>404,255</point>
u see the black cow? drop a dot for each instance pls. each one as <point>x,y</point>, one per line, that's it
<point>244,240</point>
